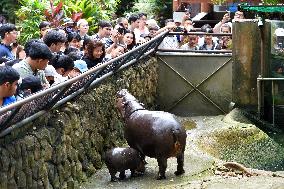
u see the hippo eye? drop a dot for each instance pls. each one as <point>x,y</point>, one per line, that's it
<point>126,104</point>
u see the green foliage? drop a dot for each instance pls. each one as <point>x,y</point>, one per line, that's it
<point>29,17</point>
<point>31,13</point>
<point>123,7</point>
<point>8,8</point>
<point>92,10</point>
<point>270,2</point>
<point>157,9</point>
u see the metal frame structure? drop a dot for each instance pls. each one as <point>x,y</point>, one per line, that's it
<point>260,94</point>
<point>195,87</point>
<point>24,111</point>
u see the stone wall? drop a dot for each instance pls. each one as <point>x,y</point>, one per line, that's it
<point>66,146</point>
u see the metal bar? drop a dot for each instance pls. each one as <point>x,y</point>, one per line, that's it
<point>211,101</point>
<point>259,97</point>
<point>270,79</point>
<point>196,85</point>
<point>121,63</point>
<point>196,51</point>
<point>66,99</point>
<point>273,104</point>
<point>192,54</point>
<point>56,98</point>
<point>199,33</point>
<point>11,116</point>
<point>93,78</point>
<point>143,51</point>
<point>159,42</point>
<point>72,80</point>
<point>214,72</point>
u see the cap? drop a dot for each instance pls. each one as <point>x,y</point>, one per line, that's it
<point>50,71</point>
<point>81,65</point>
<point>31,82</point>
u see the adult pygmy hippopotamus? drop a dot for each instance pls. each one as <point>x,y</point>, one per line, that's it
<point>156,134</point>
<point>121,159</point>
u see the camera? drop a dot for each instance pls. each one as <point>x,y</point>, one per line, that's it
<point>179,29</point>
<point>121,30</point>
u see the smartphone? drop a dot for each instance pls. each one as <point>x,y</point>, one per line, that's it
<point>121,31</point>
<point>179,29</point>
<point>229,13</point>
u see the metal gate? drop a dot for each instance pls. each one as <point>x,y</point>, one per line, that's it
<point>191,84</point>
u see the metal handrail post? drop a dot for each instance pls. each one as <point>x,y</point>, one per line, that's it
<point>273,104</point>
<point>259,96</point>
<point>56,98</point>
<point>121,63</point>
<point>10,118</point>
<point>93,78</point>
<point>143,51</point>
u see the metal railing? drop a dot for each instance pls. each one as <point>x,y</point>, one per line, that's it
<point>24,111</point>
<point>260,94</point>
<point>177,49</point>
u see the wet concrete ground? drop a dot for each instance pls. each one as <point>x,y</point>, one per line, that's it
<point>198,166</point>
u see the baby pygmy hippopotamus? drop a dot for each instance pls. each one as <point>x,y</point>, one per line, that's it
<point>121,159</point>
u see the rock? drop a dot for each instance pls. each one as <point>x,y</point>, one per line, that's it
<point>65,145</point>
<point>29,178</point>
<point>5,160</point>
<point>12,184</point>
<point>20,178</point>
<point>3,180</point>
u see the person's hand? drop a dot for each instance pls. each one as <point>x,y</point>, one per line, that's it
<point>185,16</point>
<point>114,36</point>
<point>45,86</point>
<point>189,28</point>
<point>170,27</point>
<point>226,18</point>
<point>72,74</point>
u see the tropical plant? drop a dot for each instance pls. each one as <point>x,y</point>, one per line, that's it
<point>270,2</point>
<point>28,18</point>
<point>32,12</point>
<point>92,10</point>
<point>124,7</point>
<point>8,8</point>
<point>156,9</point>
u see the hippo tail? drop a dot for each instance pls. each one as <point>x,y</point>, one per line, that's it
<point>177,148</point>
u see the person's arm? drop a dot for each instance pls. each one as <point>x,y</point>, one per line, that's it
<point>225,19</point>
<point>164,29</point>
<point>114,38</point>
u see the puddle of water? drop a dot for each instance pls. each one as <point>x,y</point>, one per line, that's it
<point>189,124</point>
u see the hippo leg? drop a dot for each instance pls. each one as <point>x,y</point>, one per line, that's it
<point>134,173</point>
<point>162,163</point>
<point>180,161</point>
<point>113,177</point>
<point>122,175</point>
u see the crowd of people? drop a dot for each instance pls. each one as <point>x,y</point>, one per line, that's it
<point>65,52</point>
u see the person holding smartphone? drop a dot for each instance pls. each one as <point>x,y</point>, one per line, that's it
<point>226,19</point>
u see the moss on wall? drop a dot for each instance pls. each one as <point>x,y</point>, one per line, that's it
<point>65,146</point>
